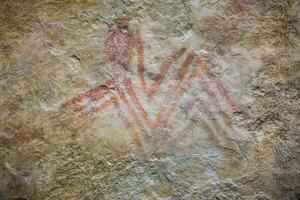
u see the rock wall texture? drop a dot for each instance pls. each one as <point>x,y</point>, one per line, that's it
<point>153,99</point>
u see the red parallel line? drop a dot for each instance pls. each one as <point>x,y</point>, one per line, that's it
<point>165,113</point>
<point>134,135</point>
<point>131,50</point>
<point>212,95</point>
<point>97,110</point>
<point>198,72</point>
<point>103,106</point>
<point>206,127</point>
<point>122,80</point>
<point>224,92</point>
<point>138,105</point>
<point>164,69</point>
<point>95,94</point>
<point>117,66</point>
<point>130,108</point>
<point>82,116</point>
<point>216,105</point>
<point>141,66</point>
<point>218,109</point>
<point>112,102</point>
<point>184,67</point>
<point>98,92</point>
<point>215,123</point>
<point>210,133</point>
<point>223,114</point>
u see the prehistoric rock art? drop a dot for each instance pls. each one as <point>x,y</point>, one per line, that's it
<point>140,100</point>
<point>120,92</point>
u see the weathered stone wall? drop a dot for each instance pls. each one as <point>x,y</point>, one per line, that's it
<point>170,99</point>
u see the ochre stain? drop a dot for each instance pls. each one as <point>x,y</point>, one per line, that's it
<point>24,137</point>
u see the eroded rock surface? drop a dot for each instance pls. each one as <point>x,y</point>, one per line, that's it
<point>149,99</point>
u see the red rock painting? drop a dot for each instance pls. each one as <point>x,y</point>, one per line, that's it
<point>121,92</point>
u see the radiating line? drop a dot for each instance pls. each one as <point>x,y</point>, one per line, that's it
<point>163,70</point>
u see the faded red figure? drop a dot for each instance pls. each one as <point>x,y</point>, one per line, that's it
<point>131,98</point>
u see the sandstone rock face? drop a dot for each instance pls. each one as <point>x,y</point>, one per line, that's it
<point>149,99</point>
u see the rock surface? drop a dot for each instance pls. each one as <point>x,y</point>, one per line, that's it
<point>153,99</point>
